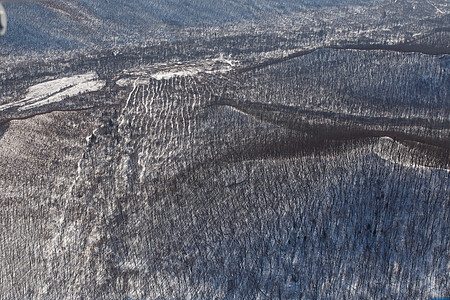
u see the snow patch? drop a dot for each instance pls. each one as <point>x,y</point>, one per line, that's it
<point>181,69</point>
<point>57,90</point>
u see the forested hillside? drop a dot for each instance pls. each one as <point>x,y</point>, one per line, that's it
<point>212,150</point>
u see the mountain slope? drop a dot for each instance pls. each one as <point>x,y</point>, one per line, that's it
<point>66,24</point>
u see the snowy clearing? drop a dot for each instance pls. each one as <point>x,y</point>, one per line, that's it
<point>57,90</point>
<point>167,71</point>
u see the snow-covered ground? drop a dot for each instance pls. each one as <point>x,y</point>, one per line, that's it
<point>57,90</point>
<point>390,150</point>
<point>180,69</point>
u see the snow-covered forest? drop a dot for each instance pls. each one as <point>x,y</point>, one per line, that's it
<point>288,150</point>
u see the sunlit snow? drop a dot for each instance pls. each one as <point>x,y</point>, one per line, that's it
<point>168,71</point>
<point>57,90</point>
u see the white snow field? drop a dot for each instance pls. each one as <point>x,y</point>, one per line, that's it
<point>57,90</point>
<point>181,69</point>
